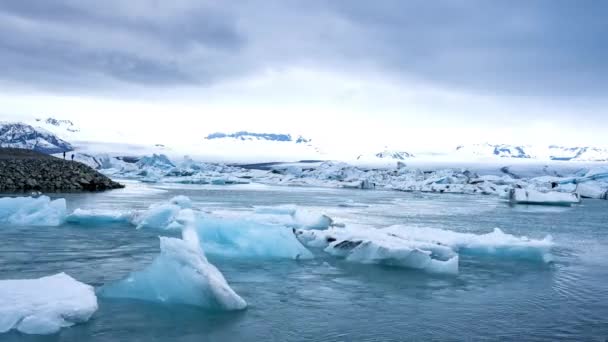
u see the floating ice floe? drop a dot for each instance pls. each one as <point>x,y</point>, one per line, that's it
<point>99,216</point>
<point>30,211</point>
<point>181,274</point>
<point>45,305</point>
<point>428,249</point>
<point>529,196</point>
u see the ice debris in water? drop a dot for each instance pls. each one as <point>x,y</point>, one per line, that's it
<point>181,274</point>
<point>45,305</point>
<point>163,215</point>
<point>429,249</point>
<point>30,211</point>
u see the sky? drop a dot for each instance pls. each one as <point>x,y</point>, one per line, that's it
<point>412,75</point>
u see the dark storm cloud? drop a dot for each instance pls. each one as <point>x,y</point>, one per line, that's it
<point>499,47</point>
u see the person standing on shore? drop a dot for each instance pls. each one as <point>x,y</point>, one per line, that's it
<point>63,155</point>
<point>72,156</point>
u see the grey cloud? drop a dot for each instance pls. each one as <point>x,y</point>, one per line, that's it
<point>540,48</point>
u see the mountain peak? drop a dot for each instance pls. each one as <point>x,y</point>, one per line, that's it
<point>20,135</point>
<point>251,136</point>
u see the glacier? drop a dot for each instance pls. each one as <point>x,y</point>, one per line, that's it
<point>32,211</point>
<point>45,305</point>
<point>181,274</point>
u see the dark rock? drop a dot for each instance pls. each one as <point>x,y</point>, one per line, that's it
<point>22,170</point>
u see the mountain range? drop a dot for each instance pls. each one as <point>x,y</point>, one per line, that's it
<point>52,135</point>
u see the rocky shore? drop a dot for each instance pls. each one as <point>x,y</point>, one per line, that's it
<point>25,170</point>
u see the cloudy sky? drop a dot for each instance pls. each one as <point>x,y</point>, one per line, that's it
<point>406,74</point>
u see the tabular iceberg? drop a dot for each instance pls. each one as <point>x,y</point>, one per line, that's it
<point>30,211</point>
<point>99,217</point>
<point>428,249</point>
<point>45,305</point>
<point>181,274</point>
<point>528,196</point>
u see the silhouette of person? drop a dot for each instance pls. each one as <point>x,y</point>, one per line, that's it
<point>72,156</point>
<point>63,155</point>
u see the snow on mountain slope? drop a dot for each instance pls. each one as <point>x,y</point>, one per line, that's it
<point>20,135</point>
<point>79,133</point>
<point>250,147</point>
<point>553,152</point>
<point>244,136</point>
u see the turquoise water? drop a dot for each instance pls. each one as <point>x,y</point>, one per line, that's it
<point>326,299</point>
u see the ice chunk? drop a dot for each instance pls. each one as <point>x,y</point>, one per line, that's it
<point>181,201</point>
<point>251,239</point>
<point>30,211</point>
<point>496,243</point>
<point>163,215</point>
<point>99,216</point>
<point>307,219</point>
<point>593,189</point>
<point>529,196</point>
<point>297,217</point>
<point>429,249</point>
<point>45,305</point>
<point>395,253</point>
<point>181,274</point>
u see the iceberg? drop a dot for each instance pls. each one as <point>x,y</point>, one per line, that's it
<point>45,305</point>
<point>163,215</point>
<point>181,274</point>
<point>593,189</point>
<point>249,239</point>
<point>99,217</point>
<point>429,249</point>
<point>529,196</point>
<point>30,211</point>
<point>296,217</point>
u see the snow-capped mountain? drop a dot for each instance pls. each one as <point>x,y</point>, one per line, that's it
<point>250,136</point>
<point>553,152</point>
<point>396,155</point>
<point>66,125</point>
<point>20,135</point>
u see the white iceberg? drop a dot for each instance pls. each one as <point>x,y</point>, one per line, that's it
<point>593,189</point>
<point>529,196</point>
<point>428,249</point>
<point>45,305</point>
<point>30,211</point>
<point>181,274</point>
